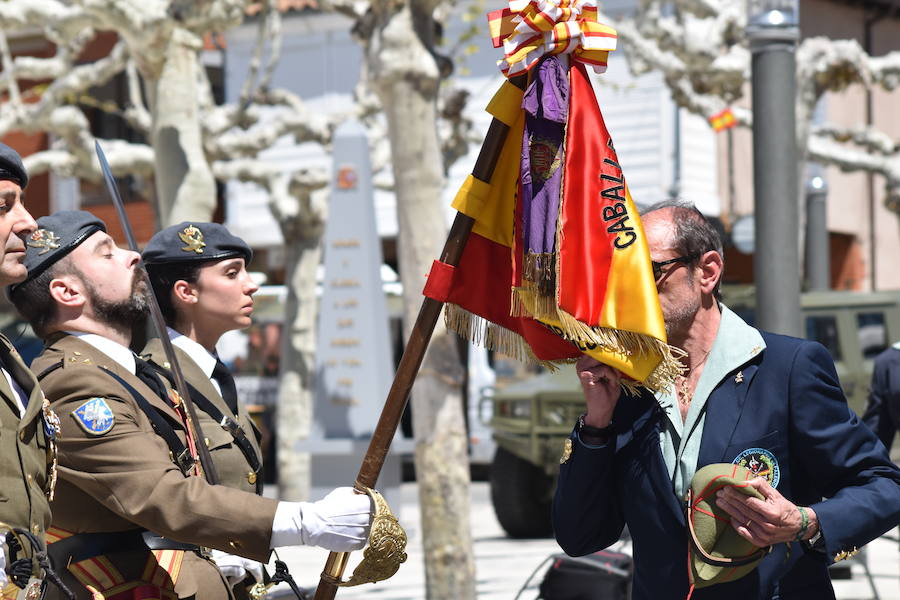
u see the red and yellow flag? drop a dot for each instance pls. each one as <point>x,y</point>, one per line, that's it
<point>723,120</point>
<point>557,263</point>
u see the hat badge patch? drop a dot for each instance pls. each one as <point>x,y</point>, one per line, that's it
<point>760,462</point>
<point>95,416</point>
<point>44,239</point>
<point>193,238</point>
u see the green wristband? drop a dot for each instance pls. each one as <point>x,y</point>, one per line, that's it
<point>804,524</point>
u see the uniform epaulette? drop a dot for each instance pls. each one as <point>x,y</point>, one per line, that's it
<point>57,365</point>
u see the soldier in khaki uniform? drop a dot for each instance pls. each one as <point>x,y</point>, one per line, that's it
<point>199,275</point>
<point>27,426</point>
<point>132,515</point>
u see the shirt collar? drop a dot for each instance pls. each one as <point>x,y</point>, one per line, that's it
<point>196,352</point>
<point>114,350</point>
<point>735,344</point>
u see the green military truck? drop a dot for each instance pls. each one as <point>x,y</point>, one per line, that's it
<point>531,418</point>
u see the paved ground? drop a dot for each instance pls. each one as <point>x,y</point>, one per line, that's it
<point>504,565</point>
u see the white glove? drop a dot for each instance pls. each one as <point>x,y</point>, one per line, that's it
<point>338,522</point>
<point>3,579</point>
<point>236,568</point>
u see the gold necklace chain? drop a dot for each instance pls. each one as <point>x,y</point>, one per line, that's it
<point>685,393</point>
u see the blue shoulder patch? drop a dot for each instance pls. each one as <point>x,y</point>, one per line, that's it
<point>95,416</point>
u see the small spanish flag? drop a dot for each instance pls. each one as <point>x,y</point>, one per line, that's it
<point>723,120</point>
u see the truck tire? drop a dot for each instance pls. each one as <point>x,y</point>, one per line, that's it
<point>521,494</point>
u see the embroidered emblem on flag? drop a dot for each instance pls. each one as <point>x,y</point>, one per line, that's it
<point>760,462</point>
<point>95,416</point>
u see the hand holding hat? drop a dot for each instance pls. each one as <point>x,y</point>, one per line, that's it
<point>716,552</point>
<point>766,521</point>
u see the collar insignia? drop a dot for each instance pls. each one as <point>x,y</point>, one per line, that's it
<point>95,416</point>
<point>193,237</point>
<point>739,378</point>
<point>44,239</point>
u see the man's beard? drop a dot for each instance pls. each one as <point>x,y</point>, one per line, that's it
<point>123,313</point>
<point>678,318</point>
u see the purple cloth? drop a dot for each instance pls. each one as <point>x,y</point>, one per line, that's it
<point>546,105</point>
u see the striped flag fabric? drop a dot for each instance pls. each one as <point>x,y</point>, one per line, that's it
<point>557,263</point>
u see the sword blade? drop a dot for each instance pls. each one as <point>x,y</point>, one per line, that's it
<point>209,469</point>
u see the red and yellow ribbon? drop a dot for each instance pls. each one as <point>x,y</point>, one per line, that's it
<point>531,29</point>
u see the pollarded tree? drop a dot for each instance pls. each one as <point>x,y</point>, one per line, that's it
<point>191,143</point>
<point>403,73</point>
<point>700,48</point>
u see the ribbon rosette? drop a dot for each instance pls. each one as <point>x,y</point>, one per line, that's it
<point>531,29</point>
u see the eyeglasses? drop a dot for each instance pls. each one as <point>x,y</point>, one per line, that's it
<point>657,266</point>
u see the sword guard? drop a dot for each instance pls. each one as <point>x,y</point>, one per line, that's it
<point>386,549</point>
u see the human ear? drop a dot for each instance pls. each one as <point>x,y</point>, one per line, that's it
<point>184,292</point>
<point>67,291</point>
<point>711,269</point>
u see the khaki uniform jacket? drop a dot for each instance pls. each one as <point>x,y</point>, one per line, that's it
<point>232,466</point>
<point>124,479</point>
<point>26,461</point>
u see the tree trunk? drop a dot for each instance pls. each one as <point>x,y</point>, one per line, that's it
<point>185,187</point>
<point>406,79</point>
<point>302,234</point>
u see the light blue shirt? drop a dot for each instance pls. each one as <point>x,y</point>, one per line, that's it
<point>736,343</point>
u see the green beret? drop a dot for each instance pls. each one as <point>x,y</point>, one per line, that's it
<point>717,552</point>
<point>194,242</point>
<point>56,236</point>
<point>11,167</point>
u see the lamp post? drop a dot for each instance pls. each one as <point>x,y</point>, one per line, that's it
<point>818,263</point>
<point>772,31</point>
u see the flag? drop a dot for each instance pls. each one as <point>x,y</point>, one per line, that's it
<point>557,263</point>
<point>723,120</point>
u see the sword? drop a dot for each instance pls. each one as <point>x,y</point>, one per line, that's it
<point>206,463</point>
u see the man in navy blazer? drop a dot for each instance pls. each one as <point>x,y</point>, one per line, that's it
<point>883,410</point>
<point>768,402</point>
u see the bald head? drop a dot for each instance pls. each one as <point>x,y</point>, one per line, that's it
<point>679,226</point>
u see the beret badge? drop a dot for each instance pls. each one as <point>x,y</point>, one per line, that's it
<point>44,239</point>
<point>193,237</point>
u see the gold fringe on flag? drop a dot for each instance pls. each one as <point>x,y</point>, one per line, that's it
<point>526,301</point>
<point>482,332</point>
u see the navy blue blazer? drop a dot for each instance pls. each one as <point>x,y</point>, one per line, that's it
<point>789,402</point>
<point>883,410</point>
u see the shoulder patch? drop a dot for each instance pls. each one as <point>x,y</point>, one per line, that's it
<point>95,416</point>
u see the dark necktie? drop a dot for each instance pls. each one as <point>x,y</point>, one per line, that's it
<point>226,383</point>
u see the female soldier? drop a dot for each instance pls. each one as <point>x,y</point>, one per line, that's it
<point>199,275</point>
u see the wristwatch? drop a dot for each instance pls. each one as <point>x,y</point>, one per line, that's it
<point>816,542</point>
<point>583,428</point>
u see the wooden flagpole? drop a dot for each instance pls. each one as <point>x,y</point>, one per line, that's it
<point>416,346</point>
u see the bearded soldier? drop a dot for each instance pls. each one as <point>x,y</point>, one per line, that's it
<point>132,516</point>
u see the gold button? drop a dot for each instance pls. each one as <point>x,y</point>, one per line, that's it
<point>235,545</point>
<point>29,477</point>
<point>166,365</point>
<point>35,528</point>
<point>22,435</point>
<point>251,478</point>
<point>206,441</point>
